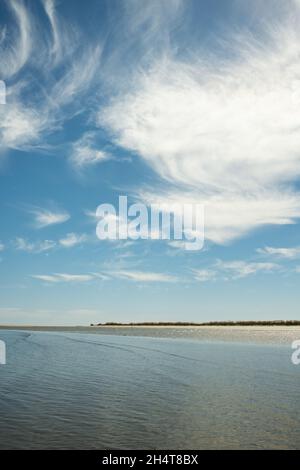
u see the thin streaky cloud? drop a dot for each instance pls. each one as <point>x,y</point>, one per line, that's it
<point>63,277</point>
<point>241,269</point>
<point>287,253</point>
<point>101,276</point>
<point>84,153</point>
<point>63,37</point>
<point>143,276</point>
<point>91,214</point>
<point>21,244</point>
<point>204,275</point>
<point>26,124</point>
<point>72,239</point>
<point>17,52</point>
<point>45,278</point>
<point>49,6</point>
<point>45,217</point>
<point>233,270</point>
<point>69,241</point>
<point>74,277</point>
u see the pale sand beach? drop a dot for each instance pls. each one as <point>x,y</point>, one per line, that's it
<point>255,334</point>
<point>283,335</point>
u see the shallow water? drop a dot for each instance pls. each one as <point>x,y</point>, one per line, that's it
<point>62,390</point>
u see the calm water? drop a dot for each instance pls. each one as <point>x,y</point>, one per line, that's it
<point>75,390</point>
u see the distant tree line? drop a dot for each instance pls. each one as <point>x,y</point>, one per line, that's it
<point>213,323</point>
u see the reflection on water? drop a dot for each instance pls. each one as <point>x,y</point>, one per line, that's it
<point>68,390</point>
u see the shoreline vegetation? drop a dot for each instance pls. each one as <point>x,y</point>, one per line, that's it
<point>214,323</point>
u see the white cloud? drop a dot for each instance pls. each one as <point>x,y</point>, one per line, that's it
<point>62,277</point>
<point>241,269</point>
<point>2,246</point>
<point>288,253</point>
<point>230,216</point>
<point>141,276</point>
<point>232,270</point>
<point>204,275</point>
<point>45,278</point>
<point>38,247</point>
<point>24,123</point>
<point>72,239</point>
<point>74,277</point>
<point>63,37</point>
<point>220,271</point>
<point>84,153</point>
<point>20,125</point>
<point>101,276</point>
<point>223,132</point>
<point>16,55</point>
<point>45,217</point>
<point>78,79</point>
<point>92,214</point>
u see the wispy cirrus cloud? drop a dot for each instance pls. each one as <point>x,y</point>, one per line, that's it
<point>91,214</point>
<point>63,277</point>
<point>143,276</point>
<point>208,124</point>
<point>17,52</point>
<point>233,270</point>
<point>85,153</point>
<point>287,253</point>
<point>240,269</point>
<point>63,36</point>
<point>221,129</point>
<point>204,275</point>
<point>46,217</point>
<point>37,108</point>
<point>41,246</point>
<point>21,244</point>
<point>72,239</point>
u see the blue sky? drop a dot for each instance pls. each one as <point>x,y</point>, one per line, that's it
<point>162,101</point>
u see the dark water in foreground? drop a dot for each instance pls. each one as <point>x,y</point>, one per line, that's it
<point>68,391</point>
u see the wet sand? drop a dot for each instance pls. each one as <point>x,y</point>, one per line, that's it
<point>283,335</point>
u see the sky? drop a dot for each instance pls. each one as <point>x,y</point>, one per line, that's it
<point>171,101</point>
